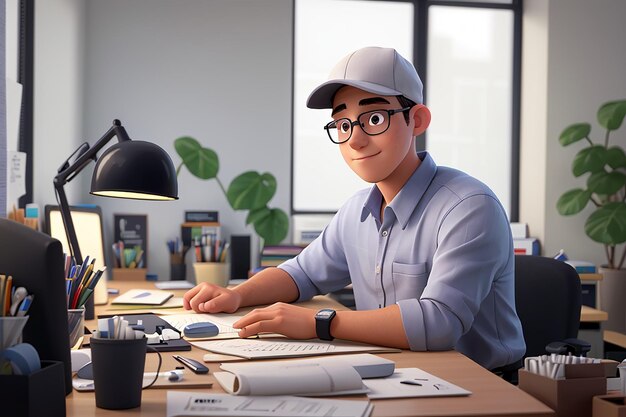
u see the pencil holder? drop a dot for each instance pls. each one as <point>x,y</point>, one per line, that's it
<point>11,331</point>
<point>76,325</point>
<point>177,267</point>
<point>217,273</point>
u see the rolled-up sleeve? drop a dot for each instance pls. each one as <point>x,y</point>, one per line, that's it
<point>321,267</point>
<point>473,247</point>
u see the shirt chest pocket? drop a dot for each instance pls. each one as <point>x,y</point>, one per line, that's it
<point>409,280</point>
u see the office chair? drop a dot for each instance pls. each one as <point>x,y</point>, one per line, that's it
<point>547,299</point>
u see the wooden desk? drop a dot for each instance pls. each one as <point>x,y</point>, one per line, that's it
<point>592,315</point>
<point>590,329</point>
<point>491,396</point>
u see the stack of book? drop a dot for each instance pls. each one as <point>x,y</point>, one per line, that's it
<point>276,255</point>
<point>522,243</point>
<point>200,225</point>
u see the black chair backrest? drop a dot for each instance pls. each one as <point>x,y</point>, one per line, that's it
<point>547,298</point>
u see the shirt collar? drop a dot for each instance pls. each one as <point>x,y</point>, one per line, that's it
<point>409,196</point>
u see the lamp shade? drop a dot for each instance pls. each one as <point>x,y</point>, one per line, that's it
<point>135,169</point>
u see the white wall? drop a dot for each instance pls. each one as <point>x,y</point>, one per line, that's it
<point>219,71</point>
<point>3,133</point>
<point>166,68</point>
<point>582,48</point>
<point>58,93</point>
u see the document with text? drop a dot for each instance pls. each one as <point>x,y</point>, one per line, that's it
<point>190,404</point>
<point>285,348</point>
<point>412,382</point>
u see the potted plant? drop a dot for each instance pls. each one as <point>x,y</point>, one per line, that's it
<point>249,191</point>
<point>606,190</point>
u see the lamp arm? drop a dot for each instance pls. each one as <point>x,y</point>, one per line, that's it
<point>68,171</point>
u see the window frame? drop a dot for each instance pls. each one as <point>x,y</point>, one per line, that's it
<point>420,54</point>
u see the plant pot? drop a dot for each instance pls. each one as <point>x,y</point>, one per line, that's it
<point>613,298</point>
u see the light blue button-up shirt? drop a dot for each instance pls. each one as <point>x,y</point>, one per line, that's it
<point>443,254</point>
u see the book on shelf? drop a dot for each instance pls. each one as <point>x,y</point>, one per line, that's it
<point>582,267</point>
<point>527,246</point>
<point>194,231</point>
<point>277,254</point>
<point>201,216</point>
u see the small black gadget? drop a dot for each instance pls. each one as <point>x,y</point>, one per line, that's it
<point>323,318</point>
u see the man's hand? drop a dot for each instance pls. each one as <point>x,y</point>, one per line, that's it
<point>209,298</point>
<point>287,319</point>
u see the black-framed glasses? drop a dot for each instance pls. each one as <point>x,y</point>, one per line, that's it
<point>373,122</point>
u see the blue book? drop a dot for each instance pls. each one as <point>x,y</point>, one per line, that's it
<point>582,267</point>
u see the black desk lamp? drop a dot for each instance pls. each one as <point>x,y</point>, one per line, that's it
<point>128,169</point>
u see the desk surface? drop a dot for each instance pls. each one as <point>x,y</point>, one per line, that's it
<point>589,314</point>
<point>491,396</point>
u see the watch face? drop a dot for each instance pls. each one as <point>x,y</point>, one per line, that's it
<point>324,314</point>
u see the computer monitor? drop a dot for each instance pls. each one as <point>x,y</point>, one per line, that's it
<point>89,232</point>
<point>35,261</point>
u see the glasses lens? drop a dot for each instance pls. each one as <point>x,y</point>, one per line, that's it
<point>339,130</point>
<point>374,122</point>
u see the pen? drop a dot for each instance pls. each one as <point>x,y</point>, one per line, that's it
<point>192,364</point>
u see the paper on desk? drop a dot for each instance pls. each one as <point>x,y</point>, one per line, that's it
<point>187,381</point>
<point>143,297</point>
<point>174,285</point>
<point>224,322</point>
<point>291,378</point>
<point>172,303</point>
<point>188,404</point>
<point>431,386</point>
<point>285,348</point>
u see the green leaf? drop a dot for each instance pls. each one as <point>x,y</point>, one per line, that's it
<point>574,133</point>
<point>606,183</point>
<point>273,226</point>
<point>257,214</point>
<point>616,158</point>
<point>201,162</point>
<point>251,190</point>
<point>573,201</point>
<point>611,114</point>
<point>591,159</point>
<point>607,224</point>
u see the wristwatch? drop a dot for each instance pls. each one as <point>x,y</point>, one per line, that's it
<point>322,323</point>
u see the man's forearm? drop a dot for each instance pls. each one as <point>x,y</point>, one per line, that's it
<point>269,286</point>
<point>381,327</point>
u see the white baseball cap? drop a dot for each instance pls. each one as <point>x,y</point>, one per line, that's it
<point>376,70</point>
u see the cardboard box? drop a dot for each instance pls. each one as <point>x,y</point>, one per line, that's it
<point>569,397</point>
<point>129,274</point>
<point>609,406</point>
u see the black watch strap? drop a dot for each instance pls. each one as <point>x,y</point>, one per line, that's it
<point>323,318</point>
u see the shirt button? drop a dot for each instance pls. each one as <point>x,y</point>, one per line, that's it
<point>378,269</point>
<point>385,233</point>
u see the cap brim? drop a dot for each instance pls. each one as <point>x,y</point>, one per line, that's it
<point>322,96</point>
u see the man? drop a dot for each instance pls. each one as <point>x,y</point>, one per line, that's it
<point>428,249</point>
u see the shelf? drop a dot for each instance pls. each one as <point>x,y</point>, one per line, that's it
<point>590,277</point>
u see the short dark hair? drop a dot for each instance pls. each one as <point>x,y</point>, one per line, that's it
<point>405,102</point>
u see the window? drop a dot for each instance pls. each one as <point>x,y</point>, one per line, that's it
<point>467,54</point>
<point>469,87</point>
<point>322,182</point>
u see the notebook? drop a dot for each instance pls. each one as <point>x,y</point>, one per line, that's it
<point>147,297</point>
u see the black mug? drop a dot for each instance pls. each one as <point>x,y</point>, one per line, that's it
<point>118,367</point>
